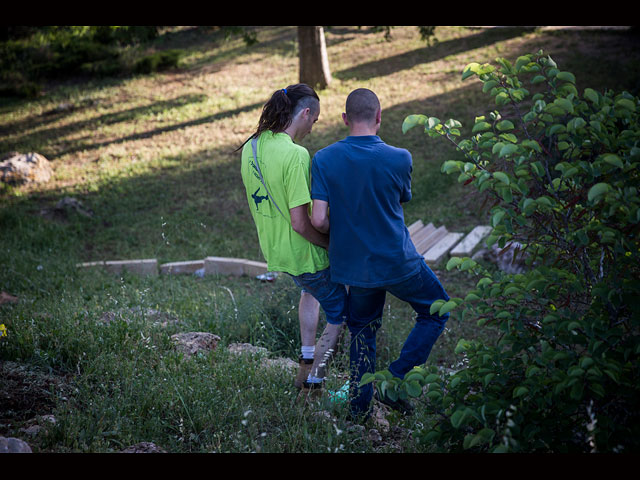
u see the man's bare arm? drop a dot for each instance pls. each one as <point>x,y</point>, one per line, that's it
<point>320,216</point>
<point>301,224</point>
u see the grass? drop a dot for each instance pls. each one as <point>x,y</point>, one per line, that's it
<point>153,157</point>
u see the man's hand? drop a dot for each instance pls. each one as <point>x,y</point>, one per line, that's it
<point>320,216</point>
<point>301,224</point>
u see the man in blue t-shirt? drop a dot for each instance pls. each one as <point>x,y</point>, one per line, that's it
<point>358,185</point>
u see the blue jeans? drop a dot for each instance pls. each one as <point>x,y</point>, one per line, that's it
<point>331,296</point>
<point>365,318</point>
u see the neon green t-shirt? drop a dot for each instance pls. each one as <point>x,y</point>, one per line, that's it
<point>285,168</point>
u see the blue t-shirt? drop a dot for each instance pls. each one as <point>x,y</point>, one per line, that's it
<point>364,180</point>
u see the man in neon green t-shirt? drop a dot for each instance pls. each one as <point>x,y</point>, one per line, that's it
<point>275,172</point>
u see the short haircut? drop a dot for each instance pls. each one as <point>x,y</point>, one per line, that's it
<point>362,105</point>
<point>308,101</point>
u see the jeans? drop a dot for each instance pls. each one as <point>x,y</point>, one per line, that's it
<point>365,318</point>
<point>331,296</point>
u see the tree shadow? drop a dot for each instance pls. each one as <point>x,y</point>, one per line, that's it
<point>43,135</point>
<point>403,61</point>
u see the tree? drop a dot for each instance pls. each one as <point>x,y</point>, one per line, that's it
<point>562,170</point>
<point>314,63</point>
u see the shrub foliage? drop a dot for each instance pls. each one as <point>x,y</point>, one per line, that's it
<point>562,172</point>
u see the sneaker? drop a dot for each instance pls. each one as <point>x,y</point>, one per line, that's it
<point>311,390</point>
<point>400,405</point>
<point>303,372</point>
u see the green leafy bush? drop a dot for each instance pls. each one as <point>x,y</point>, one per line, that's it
<point>562,172</point>
<point>158,61</point>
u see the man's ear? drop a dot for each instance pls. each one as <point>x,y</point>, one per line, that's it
<point>345,119</point>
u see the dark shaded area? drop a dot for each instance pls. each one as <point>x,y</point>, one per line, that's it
<point>389,65</point>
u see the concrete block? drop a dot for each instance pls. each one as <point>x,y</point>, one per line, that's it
<point>90,264</point>
<point>253,268</point>
<point>421,234</point>
<point>430,240</point>
<point>224,266</point>
<point>142,267</point>
<point>438,251</point>
<point>471,241</point>
<point>176,268</point>
<point>415,226</point>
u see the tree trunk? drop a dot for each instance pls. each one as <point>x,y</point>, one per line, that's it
<point>314,63</point>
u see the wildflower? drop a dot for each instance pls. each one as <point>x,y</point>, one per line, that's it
<point>3,330</point>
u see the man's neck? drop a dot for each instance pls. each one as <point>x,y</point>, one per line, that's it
<point>362,132</point>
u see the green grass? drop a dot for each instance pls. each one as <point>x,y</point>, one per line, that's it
<point>153,157</point>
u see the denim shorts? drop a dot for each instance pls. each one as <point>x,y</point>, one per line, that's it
<point>331,296</point>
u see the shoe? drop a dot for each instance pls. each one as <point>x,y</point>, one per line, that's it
<point>311,390</point>
<point>303,372</point>
<point>400,405</point>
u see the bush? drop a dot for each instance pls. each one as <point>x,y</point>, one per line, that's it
<point>562,172</point>
<point>158,61</point>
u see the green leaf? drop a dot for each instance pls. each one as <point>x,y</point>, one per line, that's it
<point>497,218</point>
<point>505,125</point>
<point>412,121</point>
<point>453,262</point>
<point>626,104</point>
<point>503,177</point>
<point>520,391</point>
<point>432,122</point>
<point>522,61</point>
<point>612,159</point>
<point>508,149</point>
<point>413,388</point>
<point>591,95</point>
<point>597,191</point>
<point>480,127</point>
<point>470,70</point>
<point>435,306</point>
<point>458,417</point>
<point>566,77</point>
<point>564,104</point>
<point>447,307</point>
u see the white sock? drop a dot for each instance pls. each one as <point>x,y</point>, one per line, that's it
<point>308,351</point>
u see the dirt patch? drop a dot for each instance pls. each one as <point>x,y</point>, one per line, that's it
<point>27,392</point>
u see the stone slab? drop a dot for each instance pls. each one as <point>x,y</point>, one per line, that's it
<point>147,266</point>
<point>90,264</point>
<point>253,268</point>
<point>177,268</point>
<point>224,266</point>
<point>429,241</point>
<point>438,251</point>
<point>423,233</point>
<point>415,226</point>
<point>233,266</point>
<point>471,241</point>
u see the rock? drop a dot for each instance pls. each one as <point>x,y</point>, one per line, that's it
<point>156,317</point>
<point>144,447</point>
<point>242,348</point>
<point>24,168</point>
<point>64,206</point>
<point>280,362</point>
<point>191,343</point>
<point>504,257</point>
<point>7,298</point>
<point>247,348</point>
<point>14,445</point>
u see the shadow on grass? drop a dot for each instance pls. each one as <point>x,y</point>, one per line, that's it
<point>390,65</point>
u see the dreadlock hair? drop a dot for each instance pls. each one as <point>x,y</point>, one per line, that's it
<point>283,106</point>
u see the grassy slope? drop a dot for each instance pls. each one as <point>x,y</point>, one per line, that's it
<point>153,157</point>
